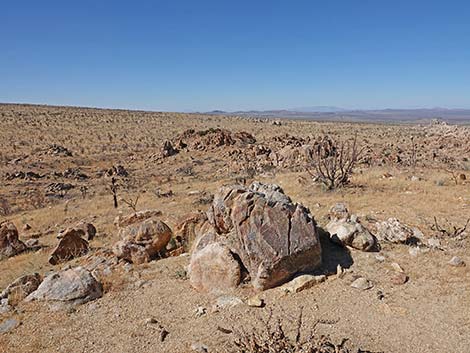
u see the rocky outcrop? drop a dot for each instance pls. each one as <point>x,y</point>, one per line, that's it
<point>71,245</point>
<point>346,230</point>
<point>142,240</point>
<point>10,244</point>
<point>271,237</point>
<point>72,286</point>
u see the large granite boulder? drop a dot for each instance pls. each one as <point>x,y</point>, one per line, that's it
<point>10,244</point>
<point>346,230</point>
<point>271,237</point>
<point>142,238</point>
<point>72,286</point>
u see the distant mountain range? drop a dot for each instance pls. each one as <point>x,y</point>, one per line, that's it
<point>339,114</point>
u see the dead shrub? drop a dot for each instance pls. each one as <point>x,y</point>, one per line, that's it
<point>273,337</point>
<point>333,162</point>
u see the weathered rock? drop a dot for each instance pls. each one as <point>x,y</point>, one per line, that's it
<point>72,286</point>
<point>255,302</point>
<point>345,229</point>
<point>10,245</point>
<point>21,288</point>
<point>434,243</point>
<point>302,282</point>
<point>456,262</point>
<point>399,278</point>
<point>71,245</point>
<point>33,244</point>
<point>8,325</point>
<point>272,237</point>
<point>397,268</point>
<point>226,302</point>
<point>199,348</point>
<point>362,283</point>
<point>131,252</point>
<point>88,228</point>
<point>189,227</point>
<point>393,231</point>
<point>214,269</point>
<point>123,221</point>
<point>142,241</point>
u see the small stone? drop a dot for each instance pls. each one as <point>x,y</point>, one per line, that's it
<point>302,282</point>
<point>199,347</point>
<point>255,302</point>
<point>339,271</point>
<point>414,251</point>
<point>8,325</point>
<point>399,279</point>
<point>362,283</point>
<point>380,258</point>
<point>226,301</point>
<point>151,321</point>
<point>163,334</point>
<point>456,262</point>
<point>26,227</point>
<point>200,311</point>
<point>397,268</point>
<point>380,295</point>
<point>434,243</point>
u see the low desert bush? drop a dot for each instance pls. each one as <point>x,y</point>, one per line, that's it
<point>333,162</point>
<point>272,337</point>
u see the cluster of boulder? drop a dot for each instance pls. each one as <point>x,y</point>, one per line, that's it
<point>254,233</point>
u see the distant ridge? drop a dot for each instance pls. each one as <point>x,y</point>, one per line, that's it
<point>379,115</point>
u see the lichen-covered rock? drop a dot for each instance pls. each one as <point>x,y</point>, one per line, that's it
<point>10,244</point>
<point>72,286</point>
<point>346,230</point>
<point>71,245</point>
<point>271,236</point>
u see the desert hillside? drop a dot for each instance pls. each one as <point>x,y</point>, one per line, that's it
<point>132,231</point>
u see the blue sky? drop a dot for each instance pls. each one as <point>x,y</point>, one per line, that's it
<point>231,55</point>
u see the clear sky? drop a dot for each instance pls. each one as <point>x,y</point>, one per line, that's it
<point>202,55</point>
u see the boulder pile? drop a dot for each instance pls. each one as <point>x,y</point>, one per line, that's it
<point>254,231</point>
